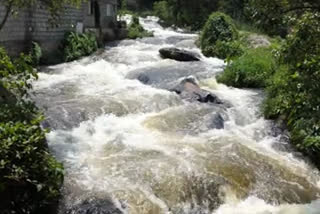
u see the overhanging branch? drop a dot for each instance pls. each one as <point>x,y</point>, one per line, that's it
<point>6,16</point>
<point>302,8</point>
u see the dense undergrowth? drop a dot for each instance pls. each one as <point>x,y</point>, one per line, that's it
<point>77,45</point>
<point>136,30</point>
<point>219,37</point>
<point>251,70</point>
<point>294,91</point>
<point>30,178</point>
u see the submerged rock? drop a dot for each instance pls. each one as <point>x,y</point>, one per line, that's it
<point>179,54</point>
<point>217,122</point>
<point>94,206</point>
<point>189,89</point>
<point>143,78</point>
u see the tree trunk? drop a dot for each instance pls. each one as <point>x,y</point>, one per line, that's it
<point>6,16</point>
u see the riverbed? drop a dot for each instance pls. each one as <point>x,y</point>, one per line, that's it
<point>132,146</point>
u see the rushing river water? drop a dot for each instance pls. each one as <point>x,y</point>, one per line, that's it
<point>136,148</point>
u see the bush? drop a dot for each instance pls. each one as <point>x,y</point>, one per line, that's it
<point>136,30</point>
<point>36,54</point>
<point>30,177</point>
<point>227,50</point>
<point>251,70</point>
<point>161,9</point>
<point>217,33</point>
<point>294,92</point>
<point>77,45</point>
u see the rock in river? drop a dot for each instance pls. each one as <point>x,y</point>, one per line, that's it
<point>217,121</point>
<point>189,89</point>
<point>179,54</point>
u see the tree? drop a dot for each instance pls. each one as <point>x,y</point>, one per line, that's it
<point>123,8</point>
<point>53,6</point>
<point>271,15</point>
<point>191,13</point>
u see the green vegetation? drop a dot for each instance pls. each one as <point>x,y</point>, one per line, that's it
<point>136,30</point>
<point>290,73</point>
<point>188,13</point>
<point>123,8</point>
<point>218,38</point>
<point>161,10</point>
<point>251,70</point>
<point>36,54</point>
<point>30,177</point>
<point>77,45</point>
<point>294,91</point>
<point>276,16</point>
<point>269,16</point>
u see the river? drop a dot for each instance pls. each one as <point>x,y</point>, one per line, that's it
<point>136,148</point>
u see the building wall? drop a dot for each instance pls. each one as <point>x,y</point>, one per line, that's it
<point>14,33</point>
<point>33,24</point>
<point>49,36</point>
<point>132,4</point>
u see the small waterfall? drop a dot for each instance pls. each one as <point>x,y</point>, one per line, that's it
<point>130,147</point>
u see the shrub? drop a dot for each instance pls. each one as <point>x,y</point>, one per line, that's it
<point>77,45</point>
<point>251,70</point>
<point>30,177</point>
<point>227,50</point>
<point>161,9</point>
<point>217,32</point>
<point>36,54</point>
<point>295,92</point>
<point>136,30</point>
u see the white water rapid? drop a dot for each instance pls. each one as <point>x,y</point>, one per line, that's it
<point>136,148</point>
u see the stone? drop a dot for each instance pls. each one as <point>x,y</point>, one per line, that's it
<point>143,78</point>
<point>257,41</point>
<point>216,122</point>
<point>179,54</point>
<point>94,206</point>
<point>189,89</point>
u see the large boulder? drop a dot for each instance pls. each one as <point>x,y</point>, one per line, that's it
<point>179,54</point>
<point>189,89</point>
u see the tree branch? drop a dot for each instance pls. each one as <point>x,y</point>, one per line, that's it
<point>301,8</point>
<point>6,16</point>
